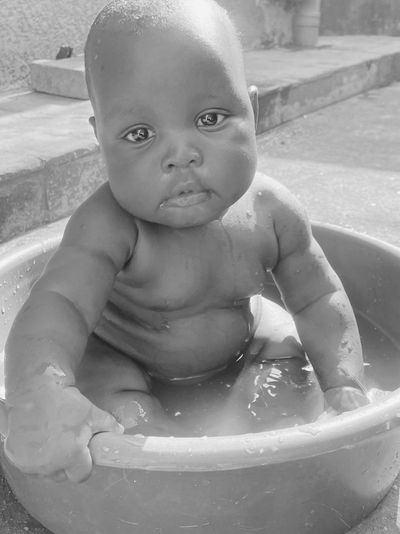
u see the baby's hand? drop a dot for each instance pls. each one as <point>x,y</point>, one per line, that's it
<point>49,430</point>
<point>343,399</point>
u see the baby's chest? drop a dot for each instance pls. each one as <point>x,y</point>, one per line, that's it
<point>188,270</point>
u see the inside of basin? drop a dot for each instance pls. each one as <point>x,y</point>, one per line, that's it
<point>191,404</point>
<point>370,271</point>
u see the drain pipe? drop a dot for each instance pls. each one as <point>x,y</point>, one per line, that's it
<point>306,22</point>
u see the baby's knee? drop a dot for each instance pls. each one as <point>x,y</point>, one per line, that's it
<point>104,371</point>
<point>131,408</point>
<point>285,348</point>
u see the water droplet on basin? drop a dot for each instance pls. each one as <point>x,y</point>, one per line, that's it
<point>312,430</point>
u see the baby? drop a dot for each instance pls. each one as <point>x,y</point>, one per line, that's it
<point>160,274</point>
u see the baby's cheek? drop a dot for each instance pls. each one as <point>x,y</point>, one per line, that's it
<point>243,145</point>
<point>240,162</point>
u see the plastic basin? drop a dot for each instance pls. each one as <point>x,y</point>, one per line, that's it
<point>310,479</point>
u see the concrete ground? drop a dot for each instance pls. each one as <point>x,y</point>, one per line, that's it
<point>343,162</point>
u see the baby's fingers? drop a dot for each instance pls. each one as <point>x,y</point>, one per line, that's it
<point>80,470</point>
<point>81,464</point>
<point>376,395</point>
<point>345,399</point>
<point>327,414</point>
<point>101,421</point>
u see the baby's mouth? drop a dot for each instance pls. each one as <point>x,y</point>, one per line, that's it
<point>186,198</point>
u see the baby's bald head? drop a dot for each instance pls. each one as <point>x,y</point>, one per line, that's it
<point>136,17</point>
<point>171,102</point>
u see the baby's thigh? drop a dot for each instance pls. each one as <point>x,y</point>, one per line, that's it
<point>276,334</point>
<point>105,369</point>
<point>113,381</point>
<point>117,384</point>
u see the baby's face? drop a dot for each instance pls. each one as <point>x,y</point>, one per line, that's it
<point>175,124</point>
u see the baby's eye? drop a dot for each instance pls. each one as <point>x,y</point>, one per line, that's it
<point>139,135</point>
<point>211,119</point>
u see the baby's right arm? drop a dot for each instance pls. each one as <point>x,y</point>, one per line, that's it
<point>49,422</point>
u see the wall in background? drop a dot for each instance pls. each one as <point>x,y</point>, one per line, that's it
<point>37,29</point>
<point>341,17</point>
<point>261,23</point>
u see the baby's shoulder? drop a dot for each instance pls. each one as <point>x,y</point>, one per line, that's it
<point>274,201</point>
<point>266,193</point>
<point>101,220</point>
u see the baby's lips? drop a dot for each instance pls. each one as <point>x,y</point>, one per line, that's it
<point>186,186</point>
<point>186,199</point>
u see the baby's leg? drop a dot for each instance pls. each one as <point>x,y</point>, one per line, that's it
<point>117,384</point>
<point>281,393</point>
<point>276,336</point>
<point>276,387</point>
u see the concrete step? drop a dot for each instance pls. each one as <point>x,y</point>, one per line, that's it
<point>50,159</point>
<point>64,77</point>
<point>295,82</point>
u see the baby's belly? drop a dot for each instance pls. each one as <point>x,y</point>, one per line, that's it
<point>181,348</point>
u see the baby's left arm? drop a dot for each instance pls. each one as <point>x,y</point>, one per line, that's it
<point>314,295</point>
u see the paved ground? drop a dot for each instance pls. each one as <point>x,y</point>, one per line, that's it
<point>343,162</point>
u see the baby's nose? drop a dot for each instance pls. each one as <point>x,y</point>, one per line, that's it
<point>181,157</point>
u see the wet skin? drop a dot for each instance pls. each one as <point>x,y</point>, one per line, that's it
<point>168,261</point>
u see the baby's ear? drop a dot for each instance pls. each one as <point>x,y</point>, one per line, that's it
<point>253,94</point>
<point>92,122</point>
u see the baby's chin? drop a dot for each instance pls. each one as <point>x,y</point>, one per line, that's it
<point>188,215</point>
<point>188,222</point>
